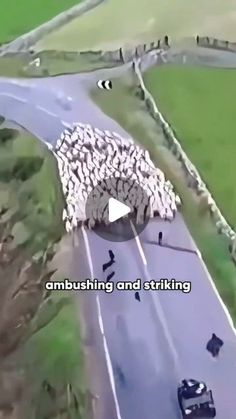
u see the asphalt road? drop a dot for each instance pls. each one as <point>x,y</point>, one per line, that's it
<point>153,343</point>
<point>135,338</point>
<point>44,106</point>
<point>161,339</point>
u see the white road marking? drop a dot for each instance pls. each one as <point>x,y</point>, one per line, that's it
<point>199,253</point>
<point>160,312</point>
<point>20,83</point>
<point>41,108</point>
<point>108,360</point>
<point>139,246</point>
<point>66,124</point>
<point>19,99</point>
<point>50,146</point>
<point>100,320</point>
<point>86,242</point>
<point>225,309</point>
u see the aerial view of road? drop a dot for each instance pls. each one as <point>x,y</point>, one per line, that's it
<point>153,342</point>
<point>146,342</point>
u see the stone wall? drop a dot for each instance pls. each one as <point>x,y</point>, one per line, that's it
<point>122,55</point>
<point>194,179</point>
<point>214,43</point>
<point>27,40</point>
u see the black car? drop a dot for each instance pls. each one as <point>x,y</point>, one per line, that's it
<point>195,400</point>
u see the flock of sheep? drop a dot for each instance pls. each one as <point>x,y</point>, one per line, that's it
<point>87,156</point>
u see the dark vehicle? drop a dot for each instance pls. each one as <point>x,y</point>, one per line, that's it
<point>195,400</point>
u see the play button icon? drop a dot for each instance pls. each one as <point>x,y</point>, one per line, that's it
<point>116,210</point>
<point>119,209</point>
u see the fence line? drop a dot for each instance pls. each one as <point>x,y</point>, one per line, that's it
<point>214,43</point>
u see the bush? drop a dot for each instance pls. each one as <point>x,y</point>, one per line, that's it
<point>7,134</point>
<point>26,167</point>
<point>21,169</point>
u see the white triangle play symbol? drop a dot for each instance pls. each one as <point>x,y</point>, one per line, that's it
<point>116,210</point>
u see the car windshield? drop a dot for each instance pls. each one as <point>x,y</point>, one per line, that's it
<point>204,398</point>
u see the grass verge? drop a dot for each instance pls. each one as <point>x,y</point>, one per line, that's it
<point>41,356</point>
<point>56,358</point>
<point>52,63</point>
<point>132,115</point>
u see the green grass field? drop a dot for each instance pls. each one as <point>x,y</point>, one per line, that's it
<point>18,17</point>
<point>199,104</point>
<point>132,115</point>
<point>115,23</point>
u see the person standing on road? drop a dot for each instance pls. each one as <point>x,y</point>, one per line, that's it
<point>160,237</point>
<point>137,296</point>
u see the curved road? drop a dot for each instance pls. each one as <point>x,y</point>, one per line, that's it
<point>149,345</point>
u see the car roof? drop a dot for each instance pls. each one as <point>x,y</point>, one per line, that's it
<point>204,398</point>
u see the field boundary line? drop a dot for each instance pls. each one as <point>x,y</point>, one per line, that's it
<point>102,329</point>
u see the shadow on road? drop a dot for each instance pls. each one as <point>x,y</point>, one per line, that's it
<point>168,246</point>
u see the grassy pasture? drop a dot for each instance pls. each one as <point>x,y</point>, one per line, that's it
<point>199,105</point>
<point>116,23</point>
